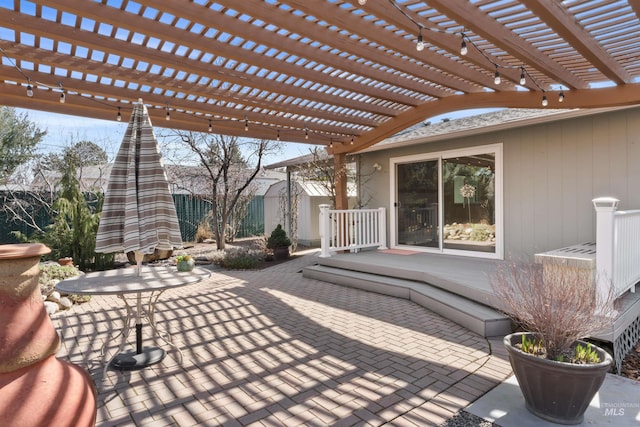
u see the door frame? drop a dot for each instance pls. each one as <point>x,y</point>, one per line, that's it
<point>439,155</point>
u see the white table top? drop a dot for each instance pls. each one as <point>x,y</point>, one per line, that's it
<point>126,280</point>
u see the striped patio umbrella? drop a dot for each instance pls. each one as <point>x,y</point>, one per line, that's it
<point>138,213</point>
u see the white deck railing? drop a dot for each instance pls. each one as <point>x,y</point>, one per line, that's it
<point>617,246</point>
<point>351,229</point>
<point>617,240</point>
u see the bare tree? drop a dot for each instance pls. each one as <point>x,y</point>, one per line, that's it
<point>320,169</point>
<point>230,165</point>
<point>34,184</point>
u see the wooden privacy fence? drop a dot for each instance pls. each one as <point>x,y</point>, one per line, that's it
<point>191,211</point>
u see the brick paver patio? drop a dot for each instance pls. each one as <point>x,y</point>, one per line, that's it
<point>271,348</point>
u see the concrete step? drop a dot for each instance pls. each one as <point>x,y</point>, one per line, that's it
<point>474,316</point>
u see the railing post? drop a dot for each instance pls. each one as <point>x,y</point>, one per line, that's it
<point>382,228</point>
<point>605,243</point>
<point>324,231</point>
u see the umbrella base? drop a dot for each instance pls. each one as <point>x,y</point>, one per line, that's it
<point>131,361</point>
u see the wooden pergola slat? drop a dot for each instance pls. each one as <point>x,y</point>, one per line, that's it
<point>316,71</point>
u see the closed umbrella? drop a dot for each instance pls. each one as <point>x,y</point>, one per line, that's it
<point>138,213</point>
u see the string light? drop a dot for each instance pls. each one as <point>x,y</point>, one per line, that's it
<point>420,42</point>
<point>246,123</point>
<point>168,116</point>
<point>496,78</point>
<point>119,116</point>
<point>210,126</point>
<point>62,95</point>
<point>29,89</point>
<point>351,143</point>
<point>522,79</point>
<point>278,135</point>
<point>331,143</point>
<point>561,96</point>
<point>545,101</point>
<point>306,132</point>
<point>362,2</point>
<point>463,47</point>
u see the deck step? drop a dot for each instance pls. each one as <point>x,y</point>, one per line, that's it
<point>474,316</point>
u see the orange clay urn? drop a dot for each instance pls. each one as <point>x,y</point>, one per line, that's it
<point>36,388</point>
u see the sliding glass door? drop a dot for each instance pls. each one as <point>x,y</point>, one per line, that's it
<point>469,202</point>
<point>417,203</point>
<point>448,201</point>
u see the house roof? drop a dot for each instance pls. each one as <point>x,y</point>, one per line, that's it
<point>464,126</point>
<point>479,124</point>
<point>315,71</point>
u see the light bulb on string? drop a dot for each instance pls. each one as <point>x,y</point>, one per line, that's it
<point>29,89</point>
<point>420,42</point>
<point>246,124</point>
<point>362,2</point>
<point>278,135</point>
<point>496,78</point>
<point>62,95</point>
<point>119,115</point>
<point>545,101</point>
<point>331,143</point>
<point>168,116</point>
<point>463,47</point>
<point>561,96</point>
<point>522,78</point>
<point>210,126</point>
<point>351,143</point>
<point>306,132</point>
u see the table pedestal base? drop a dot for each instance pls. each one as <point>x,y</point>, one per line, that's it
<point>132,362</point>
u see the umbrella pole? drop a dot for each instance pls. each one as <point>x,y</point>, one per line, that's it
<point>139,325</point>
<point>139,256</point>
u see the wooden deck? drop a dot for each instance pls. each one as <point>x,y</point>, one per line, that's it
<point>455,287</point>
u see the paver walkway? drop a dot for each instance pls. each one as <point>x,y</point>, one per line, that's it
<point>271,348</point>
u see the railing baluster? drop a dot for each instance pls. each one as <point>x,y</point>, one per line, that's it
<point>351,229</point>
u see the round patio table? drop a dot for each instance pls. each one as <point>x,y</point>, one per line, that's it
<point>127,284</point>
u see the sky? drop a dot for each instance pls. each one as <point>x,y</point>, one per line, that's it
<point>64,130</point>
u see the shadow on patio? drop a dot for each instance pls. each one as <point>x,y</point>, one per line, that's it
<point>274,347</point>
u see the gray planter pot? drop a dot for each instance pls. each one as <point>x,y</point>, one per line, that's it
<point>281,253</point>
<point>556,391</point>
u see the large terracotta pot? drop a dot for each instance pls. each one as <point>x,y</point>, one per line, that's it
<point>36,388</point>
<point>556,391</point>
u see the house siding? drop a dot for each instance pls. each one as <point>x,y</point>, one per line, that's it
<point>551,172</point>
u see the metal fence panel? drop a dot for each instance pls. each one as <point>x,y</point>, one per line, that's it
<point>191,211</point>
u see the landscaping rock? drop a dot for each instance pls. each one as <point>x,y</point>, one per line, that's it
<point>51,307</point>
<point>54,297</point>
<point>65,303</point>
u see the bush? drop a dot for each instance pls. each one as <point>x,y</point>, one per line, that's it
<point>240,259</point>
<point>556,302</point>
<point>278,238</point>
<point>51,273</point>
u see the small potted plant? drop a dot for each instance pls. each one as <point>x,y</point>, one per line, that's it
<point>557,371</point>
<point>185,262</point>
<point>279,243</point>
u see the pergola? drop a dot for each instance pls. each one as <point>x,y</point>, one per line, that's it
<point>343,74</point>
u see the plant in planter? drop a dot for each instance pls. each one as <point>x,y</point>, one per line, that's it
<point>558,373</point>
<point>185,262</point>
<point>279,243</point>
